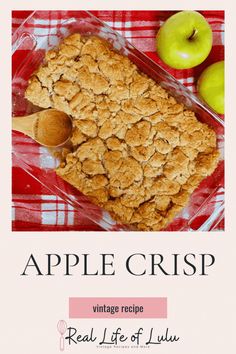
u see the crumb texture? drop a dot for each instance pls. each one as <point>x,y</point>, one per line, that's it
<point>136,152</point>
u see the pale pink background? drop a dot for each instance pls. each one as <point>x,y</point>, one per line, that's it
<point>200,309</point>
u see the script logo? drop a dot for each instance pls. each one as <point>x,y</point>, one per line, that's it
<point>119,338</point>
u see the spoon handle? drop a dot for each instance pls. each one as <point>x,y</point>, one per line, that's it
<point>62,343</point>
<point>24,125</point>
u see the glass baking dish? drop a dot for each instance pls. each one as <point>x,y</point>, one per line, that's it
<point>34,37</point>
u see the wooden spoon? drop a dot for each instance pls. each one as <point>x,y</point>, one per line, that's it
<point>50,127</point>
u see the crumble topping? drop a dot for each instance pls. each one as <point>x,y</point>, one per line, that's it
<point>136,152</point>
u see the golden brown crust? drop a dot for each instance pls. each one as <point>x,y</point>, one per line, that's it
<point>136,151</point>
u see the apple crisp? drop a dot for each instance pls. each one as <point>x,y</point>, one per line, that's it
<point>136,152</point>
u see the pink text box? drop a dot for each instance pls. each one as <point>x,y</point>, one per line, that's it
<point>83,307</point>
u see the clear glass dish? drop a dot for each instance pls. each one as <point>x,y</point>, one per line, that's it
<point>35,36</point>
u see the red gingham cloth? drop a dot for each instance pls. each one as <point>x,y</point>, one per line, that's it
<point>34,208</point>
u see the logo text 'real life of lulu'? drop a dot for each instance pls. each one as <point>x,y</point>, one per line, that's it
<point>118,337</point>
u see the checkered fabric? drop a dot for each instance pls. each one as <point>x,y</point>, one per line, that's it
<point>34,208</point>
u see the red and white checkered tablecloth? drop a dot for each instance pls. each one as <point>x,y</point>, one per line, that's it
<point>34,208</point>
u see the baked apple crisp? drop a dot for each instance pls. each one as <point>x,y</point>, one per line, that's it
<point>136,152</point>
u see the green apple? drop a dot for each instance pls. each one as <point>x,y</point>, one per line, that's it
<point>211,86</point>
<point>184,40</point>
